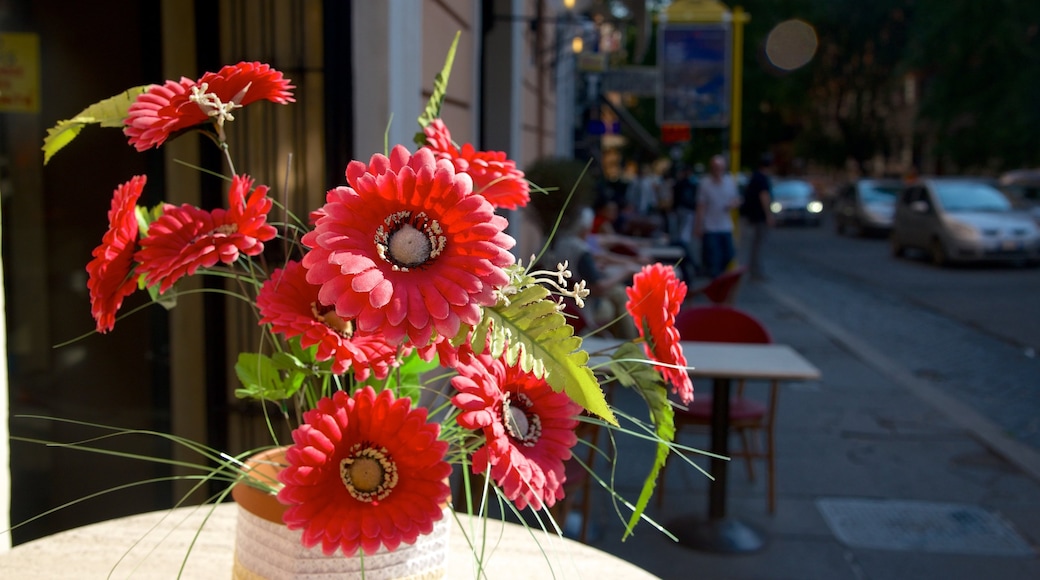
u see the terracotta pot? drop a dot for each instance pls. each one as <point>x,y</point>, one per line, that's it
<point>265,549</point>
<point>263,466</point>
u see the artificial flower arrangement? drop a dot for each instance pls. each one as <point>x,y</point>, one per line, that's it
<point>407,266</point>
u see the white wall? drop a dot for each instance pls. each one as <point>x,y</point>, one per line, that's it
<point>387,43</point>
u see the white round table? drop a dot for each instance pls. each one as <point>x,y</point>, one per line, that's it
<point>153,546</point>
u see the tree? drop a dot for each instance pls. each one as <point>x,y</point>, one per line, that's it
<point>979,63</point>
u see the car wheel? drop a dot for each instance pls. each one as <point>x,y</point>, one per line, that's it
<point>938,253</point>
<point>898,251</point>
<point>839,227</point>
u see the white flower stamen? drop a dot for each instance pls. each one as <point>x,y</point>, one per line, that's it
<point>214,107</point>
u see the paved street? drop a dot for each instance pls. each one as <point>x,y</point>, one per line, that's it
<point>972,331</point>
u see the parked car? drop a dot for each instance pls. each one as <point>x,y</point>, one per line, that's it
<point>865,206</point>
<point>962,219</point>
<point>1022,187</point>
<point>795,201</point>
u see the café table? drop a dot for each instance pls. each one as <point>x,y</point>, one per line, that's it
<point>724,363</point>
<point>153,545</point>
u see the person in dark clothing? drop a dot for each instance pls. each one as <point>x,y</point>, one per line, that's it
<point>684,204</point>
<point>758,218</point>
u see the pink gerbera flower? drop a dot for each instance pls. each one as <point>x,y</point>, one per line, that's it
<point>407,249</point>
<point>290,305</point>
<point>175,106</point>
<point>187,238</point>
<point>365,471</point>
<point>110,278</point>
<point>654,299</point>
<point>529,429</point>
<point>494,175</point>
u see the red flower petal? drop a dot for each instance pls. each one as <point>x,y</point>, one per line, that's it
<point>110,272</point>
<point>527,463</point>
<point>187,238</point>
<point>167,109</point>
<point>290,305</point>
<point>654,299</point>
<point>406,222</point>
<point>494,175</point>
<point>409,491</point>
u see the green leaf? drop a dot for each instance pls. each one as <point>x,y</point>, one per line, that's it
<point>440,88</point>
<point>629,367</point>
<point>530,331</point>
<point>406,379</point>
<point>107,113</point>
<point>146,217</point>
<point>269,378</point>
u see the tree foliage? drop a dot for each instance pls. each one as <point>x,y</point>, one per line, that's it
<point>974,68</point>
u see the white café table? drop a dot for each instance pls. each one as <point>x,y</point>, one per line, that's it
<point>153,545</point>
<point>724,363</point>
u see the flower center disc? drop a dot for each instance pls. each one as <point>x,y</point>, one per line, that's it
<point>368,473</point>
<point>327,315</point>
<point>517,422</point>
<point>409,246</point>
<point>525,427</point>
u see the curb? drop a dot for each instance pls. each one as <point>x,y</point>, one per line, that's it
<point>990,434</point>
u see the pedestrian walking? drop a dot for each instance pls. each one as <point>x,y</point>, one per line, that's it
<point>716,196</point>
<point>758,218</point>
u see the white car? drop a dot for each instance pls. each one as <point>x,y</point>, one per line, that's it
<point>962,219</point>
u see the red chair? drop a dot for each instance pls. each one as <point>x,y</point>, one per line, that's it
<point>722,289</point>
<point>751,419</point>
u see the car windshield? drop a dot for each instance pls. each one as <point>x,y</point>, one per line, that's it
<point>966,196</point>
<point>791,190</point>
<point>879,192</point>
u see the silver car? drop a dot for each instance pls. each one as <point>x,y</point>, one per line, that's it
<point>866,206</point>
<point>961,219</point>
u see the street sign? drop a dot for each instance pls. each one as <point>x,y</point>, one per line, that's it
<point>675,133</point>
<point>695,74</point>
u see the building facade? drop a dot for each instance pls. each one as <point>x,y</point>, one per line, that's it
<point>363,71</point>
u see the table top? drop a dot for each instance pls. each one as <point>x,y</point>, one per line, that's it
<point>153,545</point>
<point>727,360</point>
<point>748,361</point>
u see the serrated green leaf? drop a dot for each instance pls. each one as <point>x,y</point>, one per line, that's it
<point>539,339</point>
<point>109,112</point>
<point>440,89</point>
<point>629,367</point>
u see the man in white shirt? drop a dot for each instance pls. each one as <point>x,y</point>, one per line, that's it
<point>716,196</point>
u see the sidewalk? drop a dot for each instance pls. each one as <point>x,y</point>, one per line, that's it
<point>858,434</point>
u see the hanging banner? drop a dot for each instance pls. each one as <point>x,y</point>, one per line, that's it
<point>19,72</point>
<point>695,75</point>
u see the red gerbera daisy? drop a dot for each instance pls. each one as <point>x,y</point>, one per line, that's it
<point>494,175</point>
<point>406,249</point>
<point>110,278</point>
<point>654,299</point>
<point>290,305</point>
<point>175,106</point>
<point>364,471</point>
<point>187,238</point>
<point>529,429</point>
